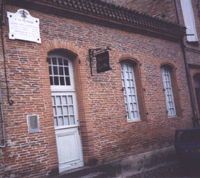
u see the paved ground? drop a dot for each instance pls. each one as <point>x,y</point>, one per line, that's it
<point>171,171</point>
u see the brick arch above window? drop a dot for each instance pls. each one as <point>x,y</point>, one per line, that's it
<point>169,65</point>
<point>63,52</point>
<point>130,59</point>
<point>67,45</point>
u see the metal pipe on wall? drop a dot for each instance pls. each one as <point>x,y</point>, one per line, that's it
<point>2,142</point>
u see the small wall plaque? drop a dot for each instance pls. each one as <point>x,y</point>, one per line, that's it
<point>23,26</point>
<point>33,123</point>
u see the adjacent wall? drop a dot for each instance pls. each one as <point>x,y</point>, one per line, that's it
<point>164,9</point>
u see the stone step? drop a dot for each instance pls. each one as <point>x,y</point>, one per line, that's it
<point>95,175</point>
<point>84,172</point>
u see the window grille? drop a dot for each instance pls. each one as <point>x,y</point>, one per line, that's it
<point>63,108</point>
<point>168,91</point>
<point>130,93</point>
<point>59,71</point>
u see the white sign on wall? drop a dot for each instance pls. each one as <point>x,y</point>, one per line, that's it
<point>23,26</point>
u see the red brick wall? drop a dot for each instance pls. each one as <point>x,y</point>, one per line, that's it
<point>1,164</point>
<point>164,9</point>
<point>106,135</point>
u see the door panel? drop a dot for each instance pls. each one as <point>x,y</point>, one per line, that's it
<point>67,131</point>
<point>69,149</point>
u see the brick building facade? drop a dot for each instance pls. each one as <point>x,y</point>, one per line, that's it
<point>83,118</point>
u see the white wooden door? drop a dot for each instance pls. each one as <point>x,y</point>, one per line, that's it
<point>65,110</point>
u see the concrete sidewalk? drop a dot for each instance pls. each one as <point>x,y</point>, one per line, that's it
<point>130,166</point>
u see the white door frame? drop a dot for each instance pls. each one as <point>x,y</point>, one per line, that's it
<point>65,109</point>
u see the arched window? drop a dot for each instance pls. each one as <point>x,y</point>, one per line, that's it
<point>167,84</point>
<point>60,73</point>
<point>130,91</point>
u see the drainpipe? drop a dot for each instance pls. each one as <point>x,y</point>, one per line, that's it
<point>195,120</point>
<point>10,101</point>
<point>3,142</point>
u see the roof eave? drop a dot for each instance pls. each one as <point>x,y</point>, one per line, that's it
<point>146,24</point>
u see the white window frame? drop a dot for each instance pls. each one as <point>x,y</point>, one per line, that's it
<point>169,98</point>
<point>66,87</point>
<point>130,93</point>
<point>189,20</point>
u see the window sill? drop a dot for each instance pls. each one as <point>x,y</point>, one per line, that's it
<point>172,116</point>
<point>136,120</point>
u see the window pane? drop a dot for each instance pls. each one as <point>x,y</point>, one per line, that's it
<point>133,115</point>
<point>58,100</point>
<point>62,82</point>
<point>53,100</point>
<point>49,60</point>
<point>50,71</point>
<point>122,75</point>
<point>56,82</point>
<point>60,121</point>
<point>125,98</point>
<point>61,71</point>
<point>67,81</point>
<point>66,120</point>
<point>55,122</point>
<point>66,71</point>
<point>123,83</point>
<point>72,121</point>
<point>70,100</point>
<point>54,111</point>
<point>126,107</point>
<point>65,110</point>
<point>55,70</point>
<point>71,110</point>
<point>65,62</point>
<point>51,80</point>
<point>127,115</point>
<point>54,61</point>
<point>64,100</point>
<point>59,111</point>
<point>60,61</point>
